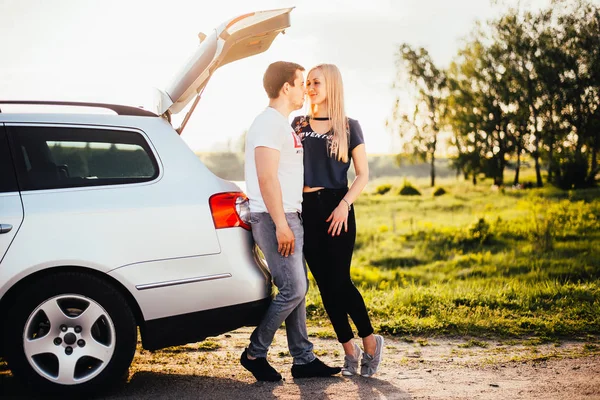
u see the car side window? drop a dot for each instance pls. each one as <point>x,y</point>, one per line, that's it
<point>64,157</point>
<point>8,179</point>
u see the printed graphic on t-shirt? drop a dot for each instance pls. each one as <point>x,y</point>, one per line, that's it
<point>315,135</point>
<point>300,124</point>
<point>302,130</point>
<point>297,140</point>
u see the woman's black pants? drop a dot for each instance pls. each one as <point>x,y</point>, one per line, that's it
<point>329,260</point>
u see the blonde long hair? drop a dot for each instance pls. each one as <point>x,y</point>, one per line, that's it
<point>336,111</point>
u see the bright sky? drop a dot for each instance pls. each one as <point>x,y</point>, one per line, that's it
<point>108,50</point>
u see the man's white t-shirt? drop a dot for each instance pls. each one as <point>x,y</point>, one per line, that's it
<point>271,129</point>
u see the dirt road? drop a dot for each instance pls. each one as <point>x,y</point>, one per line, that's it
<point>412,369</point>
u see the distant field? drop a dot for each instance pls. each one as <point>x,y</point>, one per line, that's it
<point>228,165</point>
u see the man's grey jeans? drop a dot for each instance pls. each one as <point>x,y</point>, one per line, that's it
<point>289,305</point>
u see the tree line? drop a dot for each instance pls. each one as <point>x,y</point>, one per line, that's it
<point>524,84</point>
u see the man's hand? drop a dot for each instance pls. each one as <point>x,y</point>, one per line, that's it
<point>285,240</point>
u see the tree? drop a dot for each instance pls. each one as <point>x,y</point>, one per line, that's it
<point>516,47</point>
<point>579,33</point>
<point>420,128</point>
<point>463,116</point>
<point>549,63</point>
<point>478,110</point>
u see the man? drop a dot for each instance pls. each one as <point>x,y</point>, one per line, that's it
<point>274,181</point>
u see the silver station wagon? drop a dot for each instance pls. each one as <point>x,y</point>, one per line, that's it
<point>109,222</point>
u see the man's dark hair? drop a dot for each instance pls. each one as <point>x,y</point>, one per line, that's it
<point>277,74</point>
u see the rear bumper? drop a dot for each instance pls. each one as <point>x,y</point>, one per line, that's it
<point>197,326</point>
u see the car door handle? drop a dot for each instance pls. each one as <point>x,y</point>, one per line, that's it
<point>4,228</point>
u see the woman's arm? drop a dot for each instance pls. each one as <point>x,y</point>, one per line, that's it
<point>339,216</point>
<point>361,167</point>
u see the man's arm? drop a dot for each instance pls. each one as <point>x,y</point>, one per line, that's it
<point>267,164</point>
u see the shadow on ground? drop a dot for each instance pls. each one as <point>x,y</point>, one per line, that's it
<point>144,385</point>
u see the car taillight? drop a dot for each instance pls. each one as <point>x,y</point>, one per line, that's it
<point>230,210</point>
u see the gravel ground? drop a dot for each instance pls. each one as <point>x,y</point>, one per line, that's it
<point>416,368</point>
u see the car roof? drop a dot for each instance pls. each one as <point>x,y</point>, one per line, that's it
<point>117,108</point>
<point>106,120</point>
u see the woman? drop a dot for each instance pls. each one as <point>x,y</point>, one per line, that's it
<point>330,141</point>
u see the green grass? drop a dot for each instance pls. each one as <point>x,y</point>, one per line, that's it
<point>209,345</point>
<point>473,343</point>
<point>477,261</point>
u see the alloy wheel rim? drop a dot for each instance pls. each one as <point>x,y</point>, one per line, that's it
<point>69,339</point>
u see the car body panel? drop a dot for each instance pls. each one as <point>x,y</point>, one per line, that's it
<point>235,283</point>
<point>11,213</point>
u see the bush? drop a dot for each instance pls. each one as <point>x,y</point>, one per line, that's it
<point>558,221</point>
<point>383,189</point>
<point>409,190</point>
<point>542,235</point>
<point>439,192</point>
<point>445,243</point>
<point>572,173</point>
<point>480,231</point>
<point>528,185</point>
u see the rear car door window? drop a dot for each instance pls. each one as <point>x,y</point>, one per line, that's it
<point>64,157</point>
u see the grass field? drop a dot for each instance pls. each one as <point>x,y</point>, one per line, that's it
<point>477,261</point>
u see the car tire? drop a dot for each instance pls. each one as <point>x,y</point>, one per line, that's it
<point>70,333</point>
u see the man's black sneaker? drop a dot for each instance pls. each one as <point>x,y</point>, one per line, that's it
<point>260,368</point>
<point>315,368</point>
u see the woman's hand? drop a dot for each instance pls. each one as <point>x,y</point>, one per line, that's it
<point>339,219</point>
